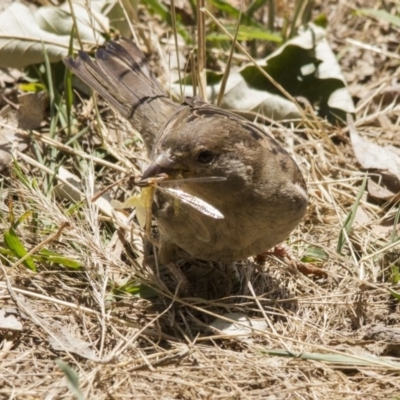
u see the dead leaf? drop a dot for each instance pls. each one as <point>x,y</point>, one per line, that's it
<point>386,226</point>
<point>384,333</point>
<point>361,218</point>
<point>25,32</point>
<point>60,337</point>
<point>244,328</point>
<point>31,110</point>
<point>373,156</point>
<point>9,76</point>
<point>390,94</point>
<point>379,192</point>
<point>389,337</point>
<point>8,320</point>
<point>10,139</point>
<point>383,162</point>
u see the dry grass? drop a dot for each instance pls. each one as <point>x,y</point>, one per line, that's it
<point>318,334</point>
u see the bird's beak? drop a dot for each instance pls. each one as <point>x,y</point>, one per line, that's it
<point>161,164</point>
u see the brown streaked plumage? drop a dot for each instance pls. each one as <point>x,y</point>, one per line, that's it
<point>263,197</point>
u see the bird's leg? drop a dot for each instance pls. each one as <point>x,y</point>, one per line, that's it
<point>184,286</point>
<point>283,252</point>
<point>167,255</point>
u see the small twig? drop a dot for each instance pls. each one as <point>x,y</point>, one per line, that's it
<point>228,64</point>
<point>201,49</point>
<point>107,188</point>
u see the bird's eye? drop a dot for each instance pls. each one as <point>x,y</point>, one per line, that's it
<point>205,157</point>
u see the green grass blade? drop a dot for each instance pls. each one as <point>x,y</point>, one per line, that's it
<point>381,15</point>
<point>56,258</point>
<point>72,379</point>
<point>344,359</point>
<point>348,223</point>
<point>13,243</point>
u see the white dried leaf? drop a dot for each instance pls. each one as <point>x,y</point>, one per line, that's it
<point>373,156</point>
<point>8,320</point>
<point>24,35</point>
<point>244,328</point>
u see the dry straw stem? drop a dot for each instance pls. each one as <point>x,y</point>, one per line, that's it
<point>201,49</point>
<point>250,58</point>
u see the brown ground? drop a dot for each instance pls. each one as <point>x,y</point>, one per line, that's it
<point>333,335</point>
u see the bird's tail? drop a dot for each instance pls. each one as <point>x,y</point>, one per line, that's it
<point>120,73</point>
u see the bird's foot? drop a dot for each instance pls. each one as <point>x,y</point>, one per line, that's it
<point>283,252</point>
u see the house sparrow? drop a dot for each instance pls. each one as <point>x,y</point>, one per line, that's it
<point>262,195</point>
